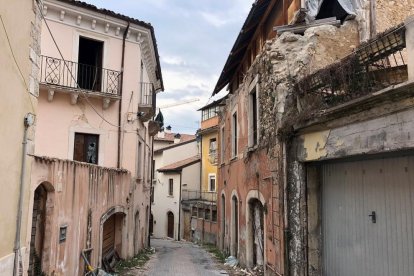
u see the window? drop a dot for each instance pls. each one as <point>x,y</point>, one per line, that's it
<point>152,194</point>
<point>222,145</point>
<point>212,182</point>
<point>90,64</point>
<point>214,215</point>
<point>170,186</point>
<point>212,152</point>
<point>86,148</point>
<point>201,213</point>
<point>62,233</point>
<point>253,133</point>
<point>234,134</point>
<point>209,113</point>
<point>207,214</point>
<point>194,211</point>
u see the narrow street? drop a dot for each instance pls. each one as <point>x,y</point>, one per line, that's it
<point>179,258</point>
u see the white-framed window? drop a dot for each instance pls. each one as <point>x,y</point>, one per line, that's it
<point>170,187</point>
<point>212,151</point>
<point>212,182</point>
<point>234,138</point>
<point>253,115</point>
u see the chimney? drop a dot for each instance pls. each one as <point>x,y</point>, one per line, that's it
<point>177,138</point>
<point>161,134</point>
<point>168,129</point>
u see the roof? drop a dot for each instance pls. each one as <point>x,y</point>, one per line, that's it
<point>242,42</point>
<point>127,19</point>
<point>174,145</point>
<point>178,166</point>
<point>216,102</point>
<point>170,137</point>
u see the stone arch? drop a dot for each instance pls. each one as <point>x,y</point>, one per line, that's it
<point>234,232</point>
<point>41,223</point>
<point>255,234</point>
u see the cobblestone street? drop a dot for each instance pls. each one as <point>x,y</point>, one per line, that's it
<point>179,258</point>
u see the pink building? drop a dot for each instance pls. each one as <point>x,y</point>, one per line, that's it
<point>90,183</point>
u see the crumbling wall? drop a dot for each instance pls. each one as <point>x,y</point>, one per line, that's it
<point>391,13</point>
<point>284,61</point>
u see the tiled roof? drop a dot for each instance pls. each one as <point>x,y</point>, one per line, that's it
<point>177,166</point>
<point>170,137</point>
<point>170,146</point>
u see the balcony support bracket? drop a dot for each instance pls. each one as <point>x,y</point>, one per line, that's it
<point>50,94</point>
<point>106,102</point>
<point>74,98</point>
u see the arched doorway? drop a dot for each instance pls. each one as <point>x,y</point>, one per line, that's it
<point>235,227</point>
<point>112,240</point>
<point>136,233</point>
<point>256,232</point>
<point>170,225</point>
<point>38,231</point>
<point>223,221</point>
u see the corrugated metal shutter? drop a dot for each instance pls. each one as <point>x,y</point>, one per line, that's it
<point>352,243</point>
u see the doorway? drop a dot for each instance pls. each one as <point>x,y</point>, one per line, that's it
<point>38,231</point>
<point>223,221</point>
<point>136,233</point>
<point>256,229</point>
<point>235,227</point>
<point>90,64</point>
<point>170,229</point>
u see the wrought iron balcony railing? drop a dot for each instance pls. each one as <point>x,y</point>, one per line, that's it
<point>69,74</point>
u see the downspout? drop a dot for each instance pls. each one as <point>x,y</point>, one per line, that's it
<point>28,121</point>
<point>118,163</point>
<point>179,207</point>
<point>151,195</point>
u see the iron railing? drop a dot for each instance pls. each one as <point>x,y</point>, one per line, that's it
<point>198,195</point>
<point>69,74</point>
<point>373,66</point>
<point>147,94</point>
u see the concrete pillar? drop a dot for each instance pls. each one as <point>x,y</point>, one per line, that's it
<point>409,35</point>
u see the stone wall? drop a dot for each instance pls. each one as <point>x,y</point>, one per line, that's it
<point>391,13</point>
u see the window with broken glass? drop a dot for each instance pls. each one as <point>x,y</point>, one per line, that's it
<point>86,148</point>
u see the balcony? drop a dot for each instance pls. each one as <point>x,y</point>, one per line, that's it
<point>190,195</point>
<point>147,104</point>
<point>375,65</point>
<point>74,78</point>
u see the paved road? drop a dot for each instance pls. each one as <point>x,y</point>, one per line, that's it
<point>181,258</point>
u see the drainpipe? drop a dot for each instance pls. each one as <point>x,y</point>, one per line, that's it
<point>179,207</point>
<point>120,94</point>
<point>28,121</point>
<point>151,195</point>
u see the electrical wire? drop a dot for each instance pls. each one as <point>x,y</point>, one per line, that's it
<point>17,64</point>
<point>84,95</point>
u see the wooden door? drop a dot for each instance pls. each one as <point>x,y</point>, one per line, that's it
<point>108,241</point>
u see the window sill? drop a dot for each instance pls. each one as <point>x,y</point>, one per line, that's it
<point>252,148</point>
<point>234,158</point>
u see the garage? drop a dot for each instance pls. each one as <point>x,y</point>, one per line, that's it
<point>367,217</point>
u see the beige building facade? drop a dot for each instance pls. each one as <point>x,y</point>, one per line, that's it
<point>20,49</point>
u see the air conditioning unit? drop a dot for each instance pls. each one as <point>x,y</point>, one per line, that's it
<point>154,181</point>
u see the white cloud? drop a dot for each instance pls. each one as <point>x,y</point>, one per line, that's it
<point>214,19</point>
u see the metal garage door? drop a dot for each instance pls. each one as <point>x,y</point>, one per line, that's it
<point>368,217</point>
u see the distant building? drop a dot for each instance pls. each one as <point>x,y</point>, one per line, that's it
<point>176,170</point>
<point>90,180</point>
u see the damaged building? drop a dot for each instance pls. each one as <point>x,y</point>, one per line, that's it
<point>91,170</point>
<point>287,136</point>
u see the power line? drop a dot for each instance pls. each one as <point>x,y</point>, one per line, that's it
<point>70,71</point>
<point>17,64</point>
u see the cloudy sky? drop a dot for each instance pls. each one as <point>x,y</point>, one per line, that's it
<point>194,39</point>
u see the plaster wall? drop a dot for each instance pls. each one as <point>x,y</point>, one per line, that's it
<point>76,191</point>
<point>19,90</point>
<point>207,166</point>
